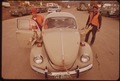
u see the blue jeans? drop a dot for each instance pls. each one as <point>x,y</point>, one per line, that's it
<point>93,30</point>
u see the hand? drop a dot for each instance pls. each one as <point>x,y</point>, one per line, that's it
<point>86,26</point>
<point>34,18</point>
<point>82,28</point>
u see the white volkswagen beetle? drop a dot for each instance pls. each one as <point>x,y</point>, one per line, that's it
<point>57,50</point>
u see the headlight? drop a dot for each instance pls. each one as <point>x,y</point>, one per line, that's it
<point>85,58</point>
<point>38,59</point>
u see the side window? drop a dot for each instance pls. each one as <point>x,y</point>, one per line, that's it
<point>26,24</point>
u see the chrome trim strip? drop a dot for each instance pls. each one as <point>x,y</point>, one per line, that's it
<point>38,69</point>
<point>59,73</point>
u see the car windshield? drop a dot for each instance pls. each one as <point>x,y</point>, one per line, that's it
<point>61,22</point>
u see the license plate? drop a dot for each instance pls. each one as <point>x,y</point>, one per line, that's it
<point>60,75</point>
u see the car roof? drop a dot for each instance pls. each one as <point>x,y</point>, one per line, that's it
<point>60,14</point>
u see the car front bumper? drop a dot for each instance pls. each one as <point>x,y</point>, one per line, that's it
<point>62,73</point>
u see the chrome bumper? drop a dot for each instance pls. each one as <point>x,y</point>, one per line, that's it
<point>62,73</point>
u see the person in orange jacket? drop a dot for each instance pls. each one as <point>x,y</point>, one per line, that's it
<point>38,18</point>
<point>94,20</point>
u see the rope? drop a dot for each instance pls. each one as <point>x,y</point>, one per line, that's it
<point>64,58</point>
<point>66,69</point>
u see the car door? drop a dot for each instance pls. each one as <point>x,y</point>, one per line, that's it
<point>24,32</point>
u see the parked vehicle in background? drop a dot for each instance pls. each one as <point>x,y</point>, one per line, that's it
<point>37,8</point>
<point>54,9</point>
<point>90,9</point>
<point>109,11</point>
<point>41,9</point>
<point>49,5</point>
<point>6,4</point>
<point>82,7</point>
<point>20,10</point>
<point>117,13</point>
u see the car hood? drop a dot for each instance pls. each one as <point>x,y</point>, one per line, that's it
<point>62,44</point>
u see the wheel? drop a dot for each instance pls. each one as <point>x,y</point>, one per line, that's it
<point>108,15</point>
<point>20,14</point>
